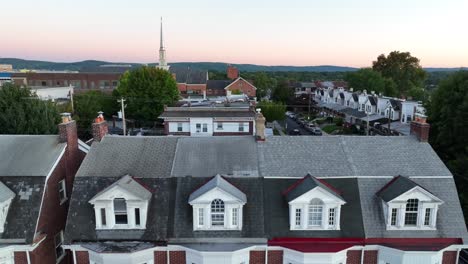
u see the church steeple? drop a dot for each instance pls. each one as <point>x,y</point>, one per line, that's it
<point>162,52</point>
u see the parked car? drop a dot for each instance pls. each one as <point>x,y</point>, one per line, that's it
<point>310,126</point>
<point>300,120</point>
<point>316,131</point>
<point>294,132</point>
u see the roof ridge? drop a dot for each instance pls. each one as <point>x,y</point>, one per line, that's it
<point>349,158</point>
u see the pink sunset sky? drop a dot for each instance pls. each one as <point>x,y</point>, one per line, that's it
<point>333,32</point>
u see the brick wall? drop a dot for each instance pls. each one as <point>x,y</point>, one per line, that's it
<point>449,257</point>
<point>243,86</point>
<point>275,257</point>
<point>177,257</point>
<point>370,256</point>
<point>160,257</point>
<point>257,257</point>
<point>82,257</point>
<point>353,257</point>
<point>20,257</point>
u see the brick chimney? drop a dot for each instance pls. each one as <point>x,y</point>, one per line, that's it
<point>232,72</point>
<point>259,126</point>
<point>420,128</point>
<point>67,131</point>
<point>99,127</point>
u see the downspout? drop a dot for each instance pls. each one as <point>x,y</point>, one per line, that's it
<point>74,256</point>
<point>266,254</point>
<point>362,255</point>
<point>458,256</point>
<point>167,255</point>
<point>28,258</point>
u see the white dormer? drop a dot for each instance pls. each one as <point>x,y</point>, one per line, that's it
<point>408,206</point>
<point>6,196</point>
<point>122,205</point>
<point>313,205</point>
<point>217,205</point>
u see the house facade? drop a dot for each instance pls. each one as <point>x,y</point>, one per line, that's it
<point>36,179</point>
<point>255,200</point>
<point>209,121</point>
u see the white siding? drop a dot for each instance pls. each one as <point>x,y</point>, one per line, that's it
<point>174,125</point>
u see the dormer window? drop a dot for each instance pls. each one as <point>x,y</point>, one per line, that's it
<point>313,205</point>
<point>122,205</point>
<point>120,211</point>
<point>217,205</point>
<point>5,202</point>
<point>408,206</point>
<point>217,212</point>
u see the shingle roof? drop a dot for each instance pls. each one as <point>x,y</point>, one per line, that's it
<point>342,95</point>
<point>24,208</point>
<point>129,184</point>
<point>353,112</point>
<point>396,104</point>
<point>450,221</point>
<point>188,75</point>
<point>355,97</point>
<point>277,210</point>
<point>214,112</point>
<point>116,156</point>
<point>252,226</point>
<point>19,154</point>
<point>372,100</point>
<point>217,84</point>
<point>81,224</point>
<point>218,182</point>
<point>290,156</point>
<point>208,156</point>
<point>306,184</point>
<point>396,187</point>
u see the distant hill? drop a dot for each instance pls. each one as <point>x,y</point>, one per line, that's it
<point>209,66</point>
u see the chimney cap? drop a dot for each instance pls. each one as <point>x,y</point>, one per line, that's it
<point>66,117</point>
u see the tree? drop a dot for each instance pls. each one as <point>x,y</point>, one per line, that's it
<point>147,90</point>
<point>447,112</point>
<point>87,105</point>
<point>22,112</point>
<point>403,69</point>
<point>370,80</point>
<point>282,92</point>
<point>272,111</point>
<point>263,83</point>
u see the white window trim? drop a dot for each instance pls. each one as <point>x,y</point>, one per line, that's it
<point>228,223</point>
<point>59,258</point>
<point>63,187</point>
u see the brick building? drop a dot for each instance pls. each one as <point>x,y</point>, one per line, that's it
<point>245,199</point>
<point>36,179</point>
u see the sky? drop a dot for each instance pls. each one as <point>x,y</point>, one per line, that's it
<point>267,32</point>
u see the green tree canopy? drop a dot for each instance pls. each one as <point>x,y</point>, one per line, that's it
<point>147,90</point>
<point>404,70</point>
<point>272,111</point>
<point>263,83</point>
<point>282,92</point>
<point>22,112</point>
<point>87,105</point>
<point>370,80</point>
<point>448,116</point>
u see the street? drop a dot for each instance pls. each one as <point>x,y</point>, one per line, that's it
<point>291,125</point>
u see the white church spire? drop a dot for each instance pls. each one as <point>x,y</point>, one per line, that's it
<point>162,52</point>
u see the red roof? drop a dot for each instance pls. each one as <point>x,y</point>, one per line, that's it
<point>329,245</point>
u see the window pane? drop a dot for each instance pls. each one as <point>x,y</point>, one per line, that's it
<point>137,216</point>
<point>427,217</point>
<point>103,217</point>
<point>411,215</point>
<point>120,205</point>
<point>200,217</point>
<point>121,219</point>
<point>217,212</point>
<point>331,216</point>
<point>393,216</point>
<point>234,216</point>
<point>315,213</point>
<point>298,217</point>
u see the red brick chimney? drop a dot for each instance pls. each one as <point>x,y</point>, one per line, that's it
<point>259,126</point>
<point>232,72</point>
<point>68,132</point>
<point>420,128</point>
<point>99,127</point>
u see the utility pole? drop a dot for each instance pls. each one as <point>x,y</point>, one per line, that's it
<point>389,120</point>
<point>308,117</point>
<point>367,122</point>
<point>71,99</point>
<point>122,109</point>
